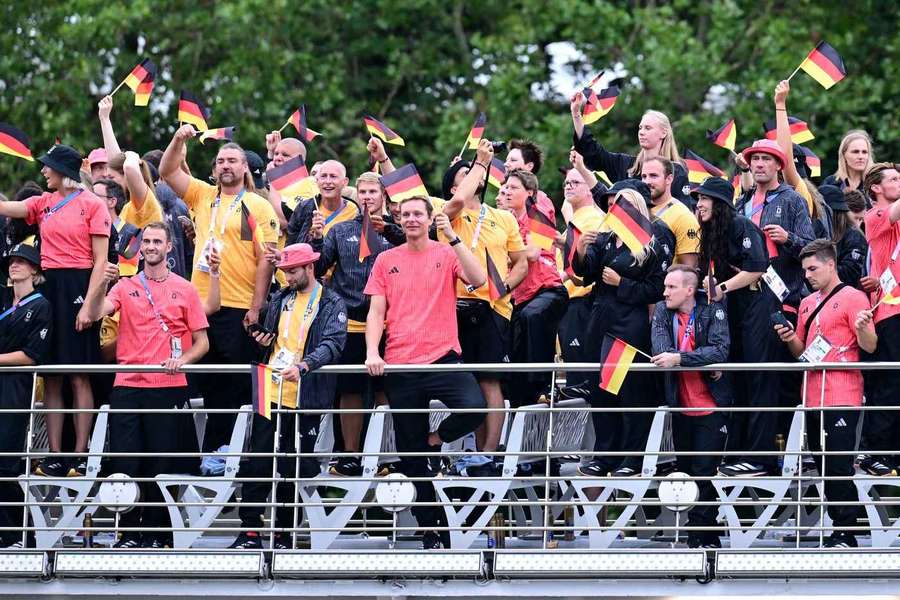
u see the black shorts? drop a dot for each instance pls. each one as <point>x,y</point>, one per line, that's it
<point>484,336</point>
<point>66,290</point>
<point>355,354</point>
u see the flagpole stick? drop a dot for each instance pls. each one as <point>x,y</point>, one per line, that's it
<point>113,93</point>
<point>465,145</point>
<point>286,123</point>
<point>487,177</point>
<point>795,72</point>
<point>642,353</point>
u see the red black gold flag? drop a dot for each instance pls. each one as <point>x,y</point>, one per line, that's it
<point>825,65</point>
<point>287,178</point>
<point>800,133</point>
<point>725,136</point>
<point>144,88</point>
<point>367,236</point>
<point>598,104</point>
<point>262,388</point>
<point>220,133</point>
<point>813,163</point>
<point>497,173</point>
<point>13,141</point>
<point>477,132</point>
<point>573,234</point>
<point>404,183</point>
<point>699,168</point>
<point>191,110</point>
<point>249,227</point>
<point>616,357</point>
<point>632,227</point>
<point>496,286</point>
<point>140,73</point>
<point>380,130</point>
<point>298,120</point>
<point>542,230</point>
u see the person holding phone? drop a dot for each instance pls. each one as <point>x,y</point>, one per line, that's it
<point>834,323</point>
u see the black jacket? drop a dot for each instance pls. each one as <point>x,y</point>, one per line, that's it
<point>711,342</point>
<point>851,257</point>
<point>324,345</point>
<point>300,221</point>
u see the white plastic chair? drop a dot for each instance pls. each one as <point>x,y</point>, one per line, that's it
<point>72,492</point>
<point>885,530</point>
<point>198,509</point>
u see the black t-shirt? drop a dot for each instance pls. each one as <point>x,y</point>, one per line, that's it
<point>27,329</point>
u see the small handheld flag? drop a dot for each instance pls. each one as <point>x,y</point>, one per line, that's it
<point>367,236</point>
<point>220,133</point>
<point>813,163</point>
<point>573,234</point>
<point>800,133</point>
<point>725,136</point>
<point>699,168</point>
<point>262,388</point>
<point>191,110</point>
<point>542,231</point>
<point>287,179</point>
<point>140,80</point>
<point>496,173</point>
<point>476,133</point>
<point>404,183</point>
<point>298,120</point>
<point>632,227</point>
<point>382,131</point>
<point>616,357</point>
<point>249,229</point>
<point>142,93</point>
<point>14,142</point>
<point>496,286</point>
<point>823,64</point>
<point>598,104</point>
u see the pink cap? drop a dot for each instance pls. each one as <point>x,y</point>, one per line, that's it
<point>765,147</point>
<point>297,255</point>
<point>97,155</point>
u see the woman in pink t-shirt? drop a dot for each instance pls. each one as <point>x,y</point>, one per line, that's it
<point>74,229</point>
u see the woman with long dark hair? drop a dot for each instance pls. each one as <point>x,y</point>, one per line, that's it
<point>851,244</point>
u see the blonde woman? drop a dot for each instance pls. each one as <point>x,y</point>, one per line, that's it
<point>655,138</point>
<point>625,283</point>
<point>855,156</point>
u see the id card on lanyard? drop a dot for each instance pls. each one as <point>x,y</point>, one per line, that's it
<point>216,232</point>
<point>284,358</point>
<point>475,235</point>
<point>59,205</point>
<point>887,280</point>
<point>174,342</point>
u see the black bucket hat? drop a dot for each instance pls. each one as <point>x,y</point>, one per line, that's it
<point>718,188</point>
<point>65,160</point>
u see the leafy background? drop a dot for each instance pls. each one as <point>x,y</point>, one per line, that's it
<point>427,67</point>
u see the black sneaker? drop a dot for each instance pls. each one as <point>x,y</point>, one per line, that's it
<point>744,469</point>
<point>52,466</point>
<point>874,466</point>
<point>346,466</point>
<point>78,468</point>
<point>156,543</point>
<point>575,392</point>
<point>624,471</point>
<point>490,469</point>
<point>840,540</point>
<point>704,542</point>
<point>282,541</point>
<point>12,545</point>
<point>431,541</point>
<point>128,541</point>
<point>593,470</point>
<point>666,467</point>
<point>248,540</point>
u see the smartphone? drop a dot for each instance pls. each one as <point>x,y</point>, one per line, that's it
<point>256,328</point>
<point>778,318</point>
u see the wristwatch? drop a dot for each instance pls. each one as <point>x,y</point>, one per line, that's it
<point>455,241</point>
<point>723,288</point>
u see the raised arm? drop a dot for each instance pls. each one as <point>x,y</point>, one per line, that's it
<point>134,179</point>
<point>468,187</point>
<point>380,156</point>
<point>170,165</point>
<point>783,131</point>
<point>472,273</point>
<point>110,144</point>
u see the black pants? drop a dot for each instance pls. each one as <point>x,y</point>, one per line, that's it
<point>155,433</point>
<point>262,438</point>
<point>701,434</point>
<point>13,428</point>
<point>573,334</point>
<point>534,325</point>
<point>228,344</point>
<point>415,390</point>
<point>880,428</point>
<point>840,435</point>
<point>753,340</point>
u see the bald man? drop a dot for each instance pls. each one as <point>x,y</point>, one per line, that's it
<point>313,218</point>
<point>281,150</point>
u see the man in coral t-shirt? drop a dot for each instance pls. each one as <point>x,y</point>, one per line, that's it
<point>413,298</point>
<point>832,325</point>
<point>161,322</point>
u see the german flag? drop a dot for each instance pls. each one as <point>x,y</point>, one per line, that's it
<point>404,183</point>
<point>496,287</point>
<point>725,136</point>
<point>632,227</point>
<point>380,130</point>
<point>616,357</point>
<point>593,83</point>
<point>542,231</point>
<point>366,236</point>
<point>263,388</point>
<point>220,133</point>
<point>288,178</point>
<point>13,141</point>
<point>800,133</point>
<point>298,120</point>
<point>191,110</point>
<point>736,184</point>
<point>477,132</point>
<point>812,162</point>
<point>573,234</point>
<point>599,103</point>
<point>699,168</point>
<point>142,93</point>
<point>140,73</point>
<point>890,298</point>
<point>825,65</point>
<point>249,227</point>
<point>496,173</point>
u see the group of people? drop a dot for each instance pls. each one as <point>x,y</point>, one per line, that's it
<point>135,259</point>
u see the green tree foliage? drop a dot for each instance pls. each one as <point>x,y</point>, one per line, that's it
<point>427,67</point>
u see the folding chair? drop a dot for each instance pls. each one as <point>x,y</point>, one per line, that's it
<point>885,530</point>
<point>196,508</point>
<point>72,492</point>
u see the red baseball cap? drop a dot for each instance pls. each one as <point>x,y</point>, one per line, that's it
<point>765,147</point>
<point>97,155</point>
<point>297,255</point>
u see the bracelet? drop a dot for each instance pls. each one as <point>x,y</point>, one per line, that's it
<point>781,109</point>
<point>381,162</point>
<point>482,165</point>
<point>455,241</point>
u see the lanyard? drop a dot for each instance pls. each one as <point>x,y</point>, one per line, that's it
<point>750,211</point>
<point>162,323</point>
<point>665,208</point>
<point>13,308</point>
<point>213,218</point>
<point>59,205</point>
<point>337,211</point>
<point>481,214</point>
<point>304,324</point>
<point>686,338</point>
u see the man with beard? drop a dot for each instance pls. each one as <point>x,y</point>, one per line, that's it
<point>658,173</point>
<point>223,214</point>
<point>308,325</point>
<point>161,322</point>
